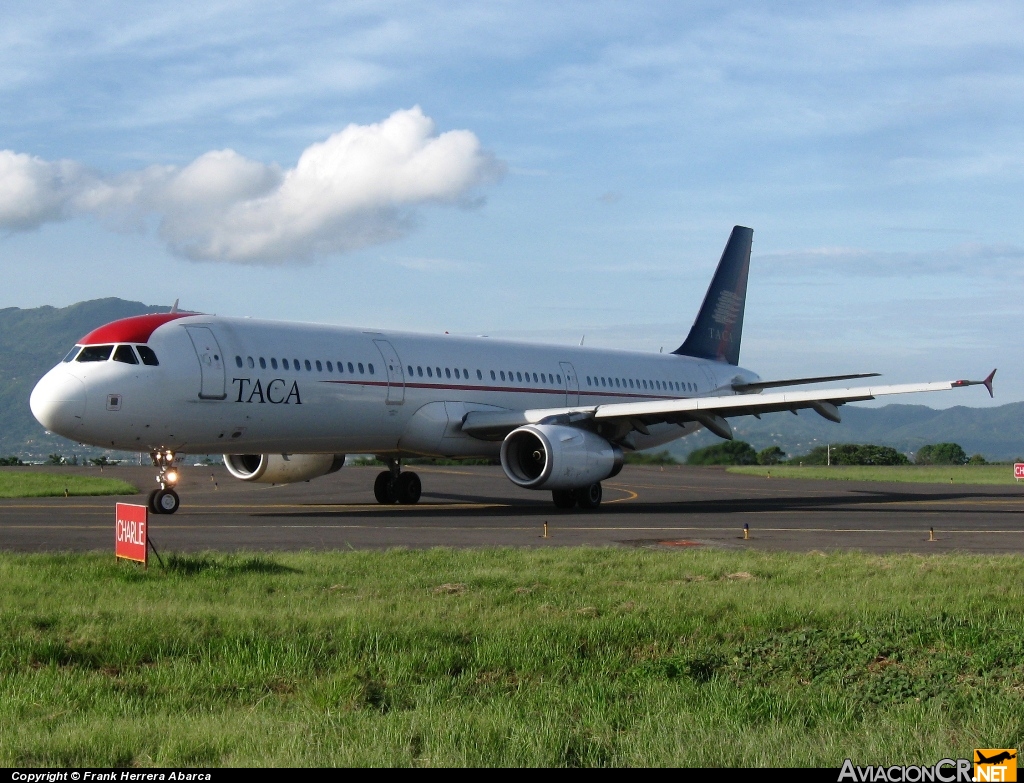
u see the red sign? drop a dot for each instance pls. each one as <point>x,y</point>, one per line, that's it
<point>1018,470</point>
<point>130,531</point>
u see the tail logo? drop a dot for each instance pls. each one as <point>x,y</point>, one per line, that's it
<point>727,310</point>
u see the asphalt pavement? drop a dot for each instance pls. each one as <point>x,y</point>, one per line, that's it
<point>670,507</point>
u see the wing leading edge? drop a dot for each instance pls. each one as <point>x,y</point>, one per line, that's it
<point>711,412</point>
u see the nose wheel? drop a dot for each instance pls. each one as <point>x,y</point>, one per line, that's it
<point>164,500</point>
<point>393,486</point>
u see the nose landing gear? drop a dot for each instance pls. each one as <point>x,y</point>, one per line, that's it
<point>164,500</point>
<point>393,486</point>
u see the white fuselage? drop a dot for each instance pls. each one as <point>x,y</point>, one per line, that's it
<point>241,386</point>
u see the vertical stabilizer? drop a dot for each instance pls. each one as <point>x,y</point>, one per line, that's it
<point>719,325</point>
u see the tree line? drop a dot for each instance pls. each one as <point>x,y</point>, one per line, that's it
<point>738,452</point>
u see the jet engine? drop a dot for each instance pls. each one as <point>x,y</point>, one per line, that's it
<point>555,456</point>
<point>282,468</point>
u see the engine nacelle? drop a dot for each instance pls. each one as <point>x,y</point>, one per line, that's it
<point>282,468</point>
<point>554,456</point>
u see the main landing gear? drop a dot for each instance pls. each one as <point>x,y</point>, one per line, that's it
<point>164,500</point>
<point>393,486</point>
<point>588,497</point>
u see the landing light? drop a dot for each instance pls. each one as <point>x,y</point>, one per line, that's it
<point>171,477</point>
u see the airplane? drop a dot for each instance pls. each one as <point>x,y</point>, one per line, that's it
<point>998,757</point>
<point>285,402</point>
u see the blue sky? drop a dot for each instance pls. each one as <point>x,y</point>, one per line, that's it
<point>568,169</point>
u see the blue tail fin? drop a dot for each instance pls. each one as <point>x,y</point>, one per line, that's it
<point>716,332</point>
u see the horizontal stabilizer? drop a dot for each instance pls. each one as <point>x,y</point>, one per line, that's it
<point>745,388</point>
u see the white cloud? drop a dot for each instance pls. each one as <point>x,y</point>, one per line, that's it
<point>359,187</point>
<point>34,191</point>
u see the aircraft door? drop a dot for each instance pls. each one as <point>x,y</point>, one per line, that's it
<point>572,384</point>
<point>396,375</point>
<point>211,363</point>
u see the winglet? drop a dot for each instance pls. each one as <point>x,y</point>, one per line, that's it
<point>174,307</point>
<point>987,383</point>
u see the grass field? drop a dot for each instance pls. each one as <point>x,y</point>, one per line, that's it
<point>21,483</point>
<point>930,474</point>
<point>574,657</point>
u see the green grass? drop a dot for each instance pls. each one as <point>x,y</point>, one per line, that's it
<point>925,474</point>
<point>509,657</point>
<point>20,483</point>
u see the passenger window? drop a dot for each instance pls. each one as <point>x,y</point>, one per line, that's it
<point>296,365</point>
<point>273,363</point>
<point>238,360</point>
<point>95,353</point>
<point>350,367</point>
<point>147,355</point>
<point>437,371</point>
<point>319,367</point>
<point>503,375</point>
<point>519,377</point>
<point>465,373</point>
<point>559,377</point>
<point>263,363</point>
<point>72,353</point>
<point>447,373</point>
<point>535,378</point>
<point>250,362</point>
<point>419,371</point>
<point>479,375</point>
<point>409,368</point>
<point>309,367</point>
<point>360,366</point>
<point>125,354</point>
<point>370,368</point>
<point>492,376</point>
<point>430,373</point>
<point>588,380</point>
<point>285,363</point>
<point>330,367</point>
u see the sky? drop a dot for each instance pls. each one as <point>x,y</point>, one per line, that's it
<point>543,171</point>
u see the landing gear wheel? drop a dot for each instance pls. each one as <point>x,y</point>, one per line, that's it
<point>166,501</point>
<point>408,488</point>
<point>151,502</point>
<point>384,488</point>
<point>589,497</point>
<point>564,498</point>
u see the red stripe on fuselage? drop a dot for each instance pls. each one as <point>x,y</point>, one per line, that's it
<point>137,329</point>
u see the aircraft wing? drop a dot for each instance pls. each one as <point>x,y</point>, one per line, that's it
<point>711,412</point>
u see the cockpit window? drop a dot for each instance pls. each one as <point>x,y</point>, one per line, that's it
<point>95,353</point>
<point>72,353</point>
<point>124,353</point>
<point>148,357</point>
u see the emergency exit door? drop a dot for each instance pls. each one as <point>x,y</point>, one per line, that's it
<point>396,375</point>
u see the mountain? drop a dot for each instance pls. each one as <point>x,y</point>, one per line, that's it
<point>31,342</point>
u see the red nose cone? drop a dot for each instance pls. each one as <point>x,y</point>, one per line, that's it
<point>130,330</point>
